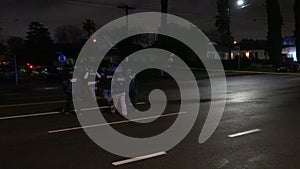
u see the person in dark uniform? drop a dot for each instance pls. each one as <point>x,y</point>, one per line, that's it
<point>67,85</point>
<point>91,78</point>
<point>132,87</point>
<point>118,85</point>
<point>107,84</point>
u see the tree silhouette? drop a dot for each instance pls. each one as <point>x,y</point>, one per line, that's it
<point>213,35</point>
<point>89,26</point>
<point>297,27</point>
<point>68,34</point>
<point>39,44</point>
<point>69,40</point>
<point>274,31</point>
<point>2,46</point>
<point>16,46</point>
<point>223,22</point>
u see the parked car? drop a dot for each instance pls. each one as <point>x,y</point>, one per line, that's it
<point>40,71</point>
<point>287,67</point>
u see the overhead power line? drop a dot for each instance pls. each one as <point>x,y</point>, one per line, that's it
<point>104,4</point>
<point>94,2</point>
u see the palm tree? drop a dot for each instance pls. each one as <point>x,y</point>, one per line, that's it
<point>297,28</point>
<point>274,31</point>
<point>89,26</point>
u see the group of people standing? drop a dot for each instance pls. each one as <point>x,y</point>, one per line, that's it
<point>101,83</point>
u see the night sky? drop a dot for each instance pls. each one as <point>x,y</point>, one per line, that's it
<point>250,22</point>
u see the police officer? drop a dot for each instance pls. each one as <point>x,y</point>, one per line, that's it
<point>118,87</point>
<point>67,85</point>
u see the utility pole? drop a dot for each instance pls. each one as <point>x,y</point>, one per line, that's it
<point>16,69</point>
<point>164,6</point>
<point>164,10</point>
<point>127,8</point>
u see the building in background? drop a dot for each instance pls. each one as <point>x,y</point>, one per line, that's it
<point>289,49</point>
<point>251,49</point>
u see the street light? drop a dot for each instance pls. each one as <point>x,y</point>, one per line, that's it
<point>240,3</point>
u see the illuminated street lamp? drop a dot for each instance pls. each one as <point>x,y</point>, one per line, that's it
<point>240,3</point>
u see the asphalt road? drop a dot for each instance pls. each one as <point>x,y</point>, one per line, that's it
<point>269,103</point>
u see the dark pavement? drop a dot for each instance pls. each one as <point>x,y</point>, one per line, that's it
<point>266,102</point>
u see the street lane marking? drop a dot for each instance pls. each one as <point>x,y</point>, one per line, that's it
<point>141,103</point>
<point>47,113</point>
<point>267,73</point>
<point>106,107</point>
<point>131,160</point>
<point>249,72</point>
<point>9,94</point>
<point>41,103</point>
<point>50,88</point>
<point>30,104</point>
<point>295,79</point>
<point>111,123</point>
<point>28,115</point>
<point>38,97</point>
<point>244,133</point>
<point>95,108</point>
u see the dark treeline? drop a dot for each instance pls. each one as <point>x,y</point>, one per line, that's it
<point>297,26</point>
<point>274,31</point>
<point>40,48</point>
<point>275,22</point>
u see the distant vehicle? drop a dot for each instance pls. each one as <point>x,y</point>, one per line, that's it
<point>281,68</point>
<point>287,67</point>
<point>33,70</point>
<point>40,71</point>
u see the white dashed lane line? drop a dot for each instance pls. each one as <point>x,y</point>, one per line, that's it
<point>131,160</point>
<point>28,115</point>
<point>244,133</point>
<point>112,123</point>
